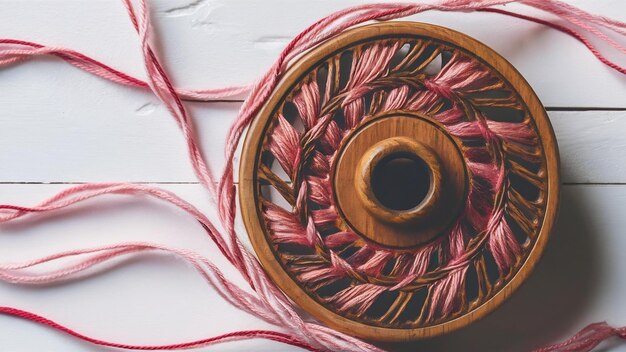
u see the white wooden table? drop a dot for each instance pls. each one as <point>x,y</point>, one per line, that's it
<point>60,126</point>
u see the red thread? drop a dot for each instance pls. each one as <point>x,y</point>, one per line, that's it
<point>233,336</point>
<point>565,30</point>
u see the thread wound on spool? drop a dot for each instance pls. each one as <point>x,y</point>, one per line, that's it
<point>389,249</point>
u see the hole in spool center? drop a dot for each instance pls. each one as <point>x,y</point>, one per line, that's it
<point>401,181</point>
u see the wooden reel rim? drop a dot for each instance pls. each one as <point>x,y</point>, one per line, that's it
<point>250,205</point>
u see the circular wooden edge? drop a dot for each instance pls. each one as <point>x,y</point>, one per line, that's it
<point>250,207</point>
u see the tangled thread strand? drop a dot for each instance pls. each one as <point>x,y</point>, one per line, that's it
<point>269,297</point>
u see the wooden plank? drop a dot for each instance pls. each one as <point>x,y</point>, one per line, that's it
<point>592,145</point>
<point>153,299</point>
<point>125,135</point>
<point>211,43</point>
<point>61,125</point>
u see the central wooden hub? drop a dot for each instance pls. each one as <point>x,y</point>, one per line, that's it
<point>400,180</point>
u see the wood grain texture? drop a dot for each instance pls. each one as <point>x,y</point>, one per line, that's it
<point>60,125</point>
<point>234,41</point>
<point>110,142</point>
<point>353,188</point>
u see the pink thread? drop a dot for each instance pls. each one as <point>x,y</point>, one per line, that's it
<point>371,260</point>
<point>273,304</point>
<point>286,146</point>
<point>445,292</point>
<point>586,339</point>
<point>16,51</point>
<point>234,336</point>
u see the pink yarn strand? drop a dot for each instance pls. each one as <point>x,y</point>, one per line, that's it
<point>15,51</point>
<point>586,339</point>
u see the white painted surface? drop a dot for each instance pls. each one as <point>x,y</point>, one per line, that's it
<point>58,124</point>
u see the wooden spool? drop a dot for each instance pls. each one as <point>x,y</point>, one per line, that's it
<point>399,181</point>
